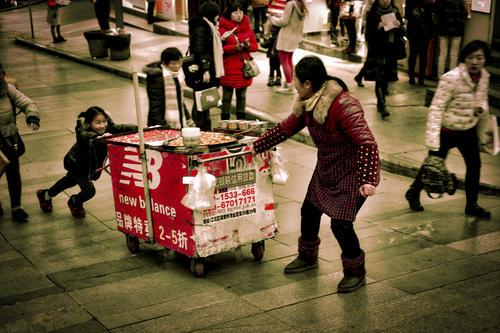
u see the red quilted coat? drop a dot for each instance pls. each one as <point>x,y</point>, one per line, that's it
<point>347,151</point>
<point>233,63</point>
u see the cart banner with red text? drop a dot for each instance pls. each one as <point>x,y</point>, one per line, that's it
<point>244,204</point>
<point>243,213</point>
<point>172,222</point>
<point>128,190</point>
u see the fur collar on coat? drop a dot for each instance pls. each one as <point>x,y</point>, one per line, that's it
<point>320,102</point>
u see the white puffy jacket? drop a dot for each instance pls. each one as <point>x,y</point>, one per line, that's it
<point>454,103</point>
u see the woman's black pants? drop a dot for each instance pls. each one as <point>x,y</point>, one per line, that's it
<point>13,174</point>
<point>342,230</point>
<point>468,145</point>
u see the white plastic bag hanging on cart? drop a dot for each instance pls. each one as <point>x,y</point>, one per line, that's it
<point>201,191</point>
<point>278,172</point>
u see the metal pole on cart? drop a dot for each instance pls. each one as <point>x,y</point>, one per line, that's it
<point>142,152</point>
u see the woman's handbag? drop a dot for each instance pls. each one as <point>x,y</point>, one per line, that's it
<point>435,177</point>
<point>250,68</point>
<point>192,75</point>
<point>206,99</point>
<point>400,48</point>
<point>4,161</point>
<point>12,146</point>
<point>488,135</point>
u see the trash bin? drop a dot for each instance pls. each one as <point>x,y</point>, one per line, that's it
<point>119,45</point>
<point>97,44</point>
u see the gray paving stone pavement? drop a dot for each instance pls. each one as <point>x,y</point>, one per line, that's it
<point>432,271</point>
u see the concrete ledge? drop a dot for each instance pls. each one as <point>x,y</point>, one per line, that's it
<point>84,61</point>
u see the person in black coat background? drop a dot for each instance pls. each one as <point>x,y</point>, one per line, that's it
<point>205,46</point>
<point>420,29</point>
<point>451,16</point>
<point>384,49</point>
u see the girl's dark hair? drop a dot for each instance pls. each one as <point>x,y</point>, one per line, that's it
<point>209,10</point>
<point>232,8</point>
<point>472,47</point>
<point>92,112</point>
<point>312,68</point>
<point>1,69</point>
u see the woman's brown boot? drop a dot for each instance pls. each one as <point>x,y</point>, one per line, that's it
<point>354,274</point>
<point>307,258</point>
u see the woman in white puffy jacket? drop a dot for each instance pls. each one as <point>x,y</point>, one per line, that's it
<point>460,101</point>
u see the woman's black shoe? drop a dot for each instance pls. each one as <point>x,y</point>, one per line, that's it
<point>359,81</point>
<point>270,82</point>
<point>477,211</point>
<point>20,215</point>
<point>413,198</point>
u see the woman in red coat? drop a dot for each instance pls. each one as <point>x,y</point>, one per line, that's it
<point>347,171</point>
<point>238,41</point>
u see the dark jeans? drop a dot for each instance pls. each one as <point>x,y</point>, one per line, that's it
<point>13,173</point>
<point>467,144</point>
<point>241,101</point>
<point>274,66</point>
<point>351,32</point>
<point>102,9</point>
<point>151,10</point>
<point>418,48</point>
<point>342,230</point>
<point>87,189</point>
<point>334,20</point>
<point>381,88</point>
<point>259,18</point>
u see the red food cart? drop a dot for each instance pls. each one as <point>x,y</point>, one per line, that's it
<point>244,206</point>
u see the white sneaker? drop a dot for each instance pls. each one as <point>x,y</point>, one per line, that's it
<point>286,89</point>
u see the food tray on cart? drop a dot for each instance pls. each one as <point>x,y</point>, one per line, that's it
<point>171,140</point>
<point>239,127</point>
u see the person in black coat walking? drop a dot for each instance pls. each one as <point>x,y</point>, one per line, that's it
<point>205,46</point>
<point>84,161</point>
<point>384,38</point>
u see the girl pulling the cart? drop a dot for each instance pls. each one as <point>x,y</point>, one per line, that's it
<point>84,161</point>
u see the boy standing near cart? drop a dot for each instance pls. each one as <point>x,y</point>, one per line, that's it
<point>164,88</point>
<point>84,161</point>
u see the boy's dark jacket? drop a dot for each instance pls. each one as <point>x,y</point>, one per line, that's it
<point>88,154</point>
<point>155,87</point>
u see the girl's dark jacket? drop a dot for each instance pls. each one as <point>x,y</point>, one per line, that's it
<point>201,48</point>
<point>88,154</point>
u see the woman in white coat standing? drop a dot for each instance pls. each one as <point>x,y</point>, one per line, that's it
<point>291,25</point>
<point>460,103</point>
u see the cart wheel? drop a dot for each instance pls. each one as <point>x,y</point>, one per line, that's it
<point>133,244</point>
<point>197,267</point>
<point>258,250</point>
